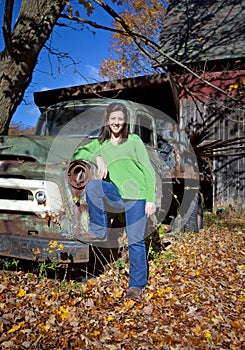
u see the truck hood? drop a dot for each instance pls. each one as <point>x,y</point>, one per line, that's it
<point>40,149</point>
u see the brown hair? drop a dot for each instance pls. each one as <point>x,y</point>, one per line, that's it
<point>105,131</point>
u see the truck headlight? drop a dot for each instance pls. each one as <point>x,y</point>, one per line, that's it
<point>41,197</point>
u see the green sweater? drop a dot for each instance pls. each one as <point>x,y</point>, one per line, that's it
<point>128,165</point>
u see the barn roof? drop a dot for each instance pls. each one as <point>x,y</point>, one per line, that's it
<point>198,30</point>
<point>155,90</point>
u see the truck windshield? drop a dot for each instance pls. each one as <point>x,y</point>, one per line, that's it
<point>85,120</point>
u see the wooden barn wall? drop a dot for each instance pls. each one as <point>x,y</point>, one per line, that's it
<point>228,172</point>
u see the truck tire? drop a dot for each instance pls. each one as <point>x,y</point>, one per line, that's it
<point>195,220</point>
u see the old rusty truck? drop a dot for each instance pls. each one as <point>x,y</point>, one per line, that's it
<point>42,201</point>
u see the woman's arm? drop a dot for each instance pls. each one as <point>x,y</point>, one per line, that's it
<point>88,152</point>
<point>102,168</point>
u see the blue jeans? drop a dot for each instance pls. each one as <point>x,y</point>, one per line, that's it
<point>103,196</point>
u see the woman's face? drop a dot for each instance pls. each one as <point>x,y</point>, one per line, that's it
<point>116,122</point>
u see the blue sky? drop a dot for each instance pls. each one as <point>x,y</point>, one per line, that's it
<point>85,47</point>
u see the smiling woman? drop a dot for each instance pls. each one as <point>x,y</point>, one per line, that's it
<point>126,184</point>
<point>116,122</point>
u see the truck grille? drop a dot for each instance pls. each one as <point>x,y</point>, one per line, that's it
<point>13,194</point>
<point>36,196</point>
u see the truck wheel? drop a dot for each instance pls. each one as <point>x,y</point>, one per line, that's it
<point>195,220</point>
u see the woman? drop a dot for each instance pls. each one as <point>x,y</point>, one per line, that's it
<point>123,158</point>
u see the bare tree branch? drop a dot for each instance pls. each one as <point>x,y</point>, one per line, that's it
<point>92,24</point>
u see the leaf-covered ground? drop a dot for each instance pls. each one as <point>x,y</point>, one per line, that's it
<point>195,300</point>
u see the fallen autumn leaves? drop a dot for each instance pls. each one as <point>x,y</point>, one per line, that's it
<point>195,300</point>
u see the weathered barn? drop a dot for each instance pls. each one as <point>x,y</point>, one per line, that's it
<point>205,46</point>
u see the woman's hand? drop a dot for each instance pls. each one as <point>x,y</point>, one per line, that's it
<point>102,168</point>
<point>150,208</point>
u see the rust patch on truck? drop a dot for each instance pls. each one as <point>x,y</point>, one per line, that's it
<point>79,173</point>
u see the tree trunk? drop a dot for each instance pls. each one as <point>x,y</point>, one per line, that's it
<point>17,61</point>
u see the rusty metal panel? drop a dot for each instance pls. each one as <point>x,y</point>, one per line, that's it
<point>40,249</point>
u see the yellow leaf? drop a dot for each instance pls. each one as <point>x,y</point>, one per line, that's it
<point>130,303</point>
<point>168,290</point>
<point>43,327</point>
<point>150,295</point>
<point>52,244</point>
<point>14,328</point>
<point>207,334</point>
<point>228,308</point>
<point>242,298</point>
<point>233,86</point>
<point>160,292</point>
<point>62,312</point>
<point>96,333</point>
<point>109,318</point>
<point>21,293</point>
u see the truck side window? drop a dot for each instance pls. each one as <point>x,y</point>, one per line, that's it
<point>144,128</point>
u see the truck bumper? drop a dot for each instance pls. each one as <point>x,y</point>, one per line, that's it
<point>42,249</point>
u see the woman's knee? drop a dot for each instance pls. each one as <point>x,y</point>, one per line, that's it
<point>93,186</point>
